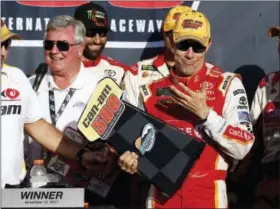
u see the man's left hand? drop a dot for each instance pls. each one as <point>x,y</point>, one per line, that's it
<point>194,101</point>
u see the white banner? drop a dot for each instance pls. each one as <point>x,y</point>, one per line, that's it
<point>45,197</point>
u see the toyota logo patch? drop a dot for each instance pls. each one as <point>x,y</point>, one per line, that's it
<point>110,72</point>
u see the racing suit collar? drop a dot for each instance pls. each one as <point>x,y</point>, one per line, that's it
<point>159,61</point>
<point>160,65</point>
<point>189,80</point>
<point>90,63</point>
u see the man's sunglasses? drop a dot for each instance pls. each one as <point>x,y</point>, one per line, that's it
<point>93,33</point>
<point>6,43</point>
<point>61,45</point>
<point>195,45</point>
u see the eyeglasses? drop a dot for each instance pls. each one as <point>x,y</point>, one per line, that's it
<point>6,44</point>
<point>195,45</point>
<point>61,45</point>
<point>93,33</point>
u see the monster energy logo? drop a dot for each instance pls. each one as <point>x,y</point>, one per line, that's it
<point>95,14</point>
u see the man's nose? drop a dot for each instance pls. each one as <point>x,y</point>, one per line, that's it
<point>189,53</point>
<point>96,38</point>
<point>55,49</point>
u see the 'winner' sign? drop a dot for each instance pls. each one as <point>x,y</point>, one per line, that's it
<point>103,110</point>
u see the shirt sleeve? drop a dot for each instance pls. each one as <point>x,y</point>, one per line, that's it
<point>33,109</point>
<point>233,130</point>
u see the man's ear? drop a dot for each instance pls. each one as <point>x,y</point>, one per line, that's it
<point>173,45</point>
<point>209,45</point>
<point>81,49</point>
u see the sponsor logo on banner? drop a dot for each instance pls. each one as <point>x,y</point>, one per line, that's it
<point>145,4</point>
<point>146,142</point>
<point>52,3</point>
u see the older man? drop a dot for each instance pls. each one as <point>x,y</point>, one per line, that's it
<point>63,94</point>
<point>20,109</point>
<point>206,103</point>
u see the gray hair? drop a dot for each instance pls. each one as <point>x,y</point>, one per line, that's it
<point>64,21</point>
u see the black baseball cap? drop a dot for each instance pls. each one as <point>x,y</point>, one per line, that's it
<point>92,16</point>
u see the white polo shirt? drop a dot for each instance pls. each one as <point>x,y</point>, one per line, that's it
<point>84,85</point>
<point>19,105</point>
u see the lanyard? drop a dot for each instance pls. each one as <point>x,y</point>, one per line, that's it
<point>55,117</point>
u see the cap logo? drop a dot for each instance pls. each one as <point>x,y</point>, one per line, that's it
<point>189,23</point>
<point>176,16</point>
<point>97,17</point>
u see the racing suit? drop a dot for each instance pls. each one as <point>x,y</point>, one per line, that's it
<point>226,131</point>
<point>111,68</point>
<point>265,114</point>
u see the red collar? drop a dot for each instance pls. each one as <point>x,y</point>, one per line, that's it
<point>159,61</point>
<point>189,80</point>
<point>89,63</point>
